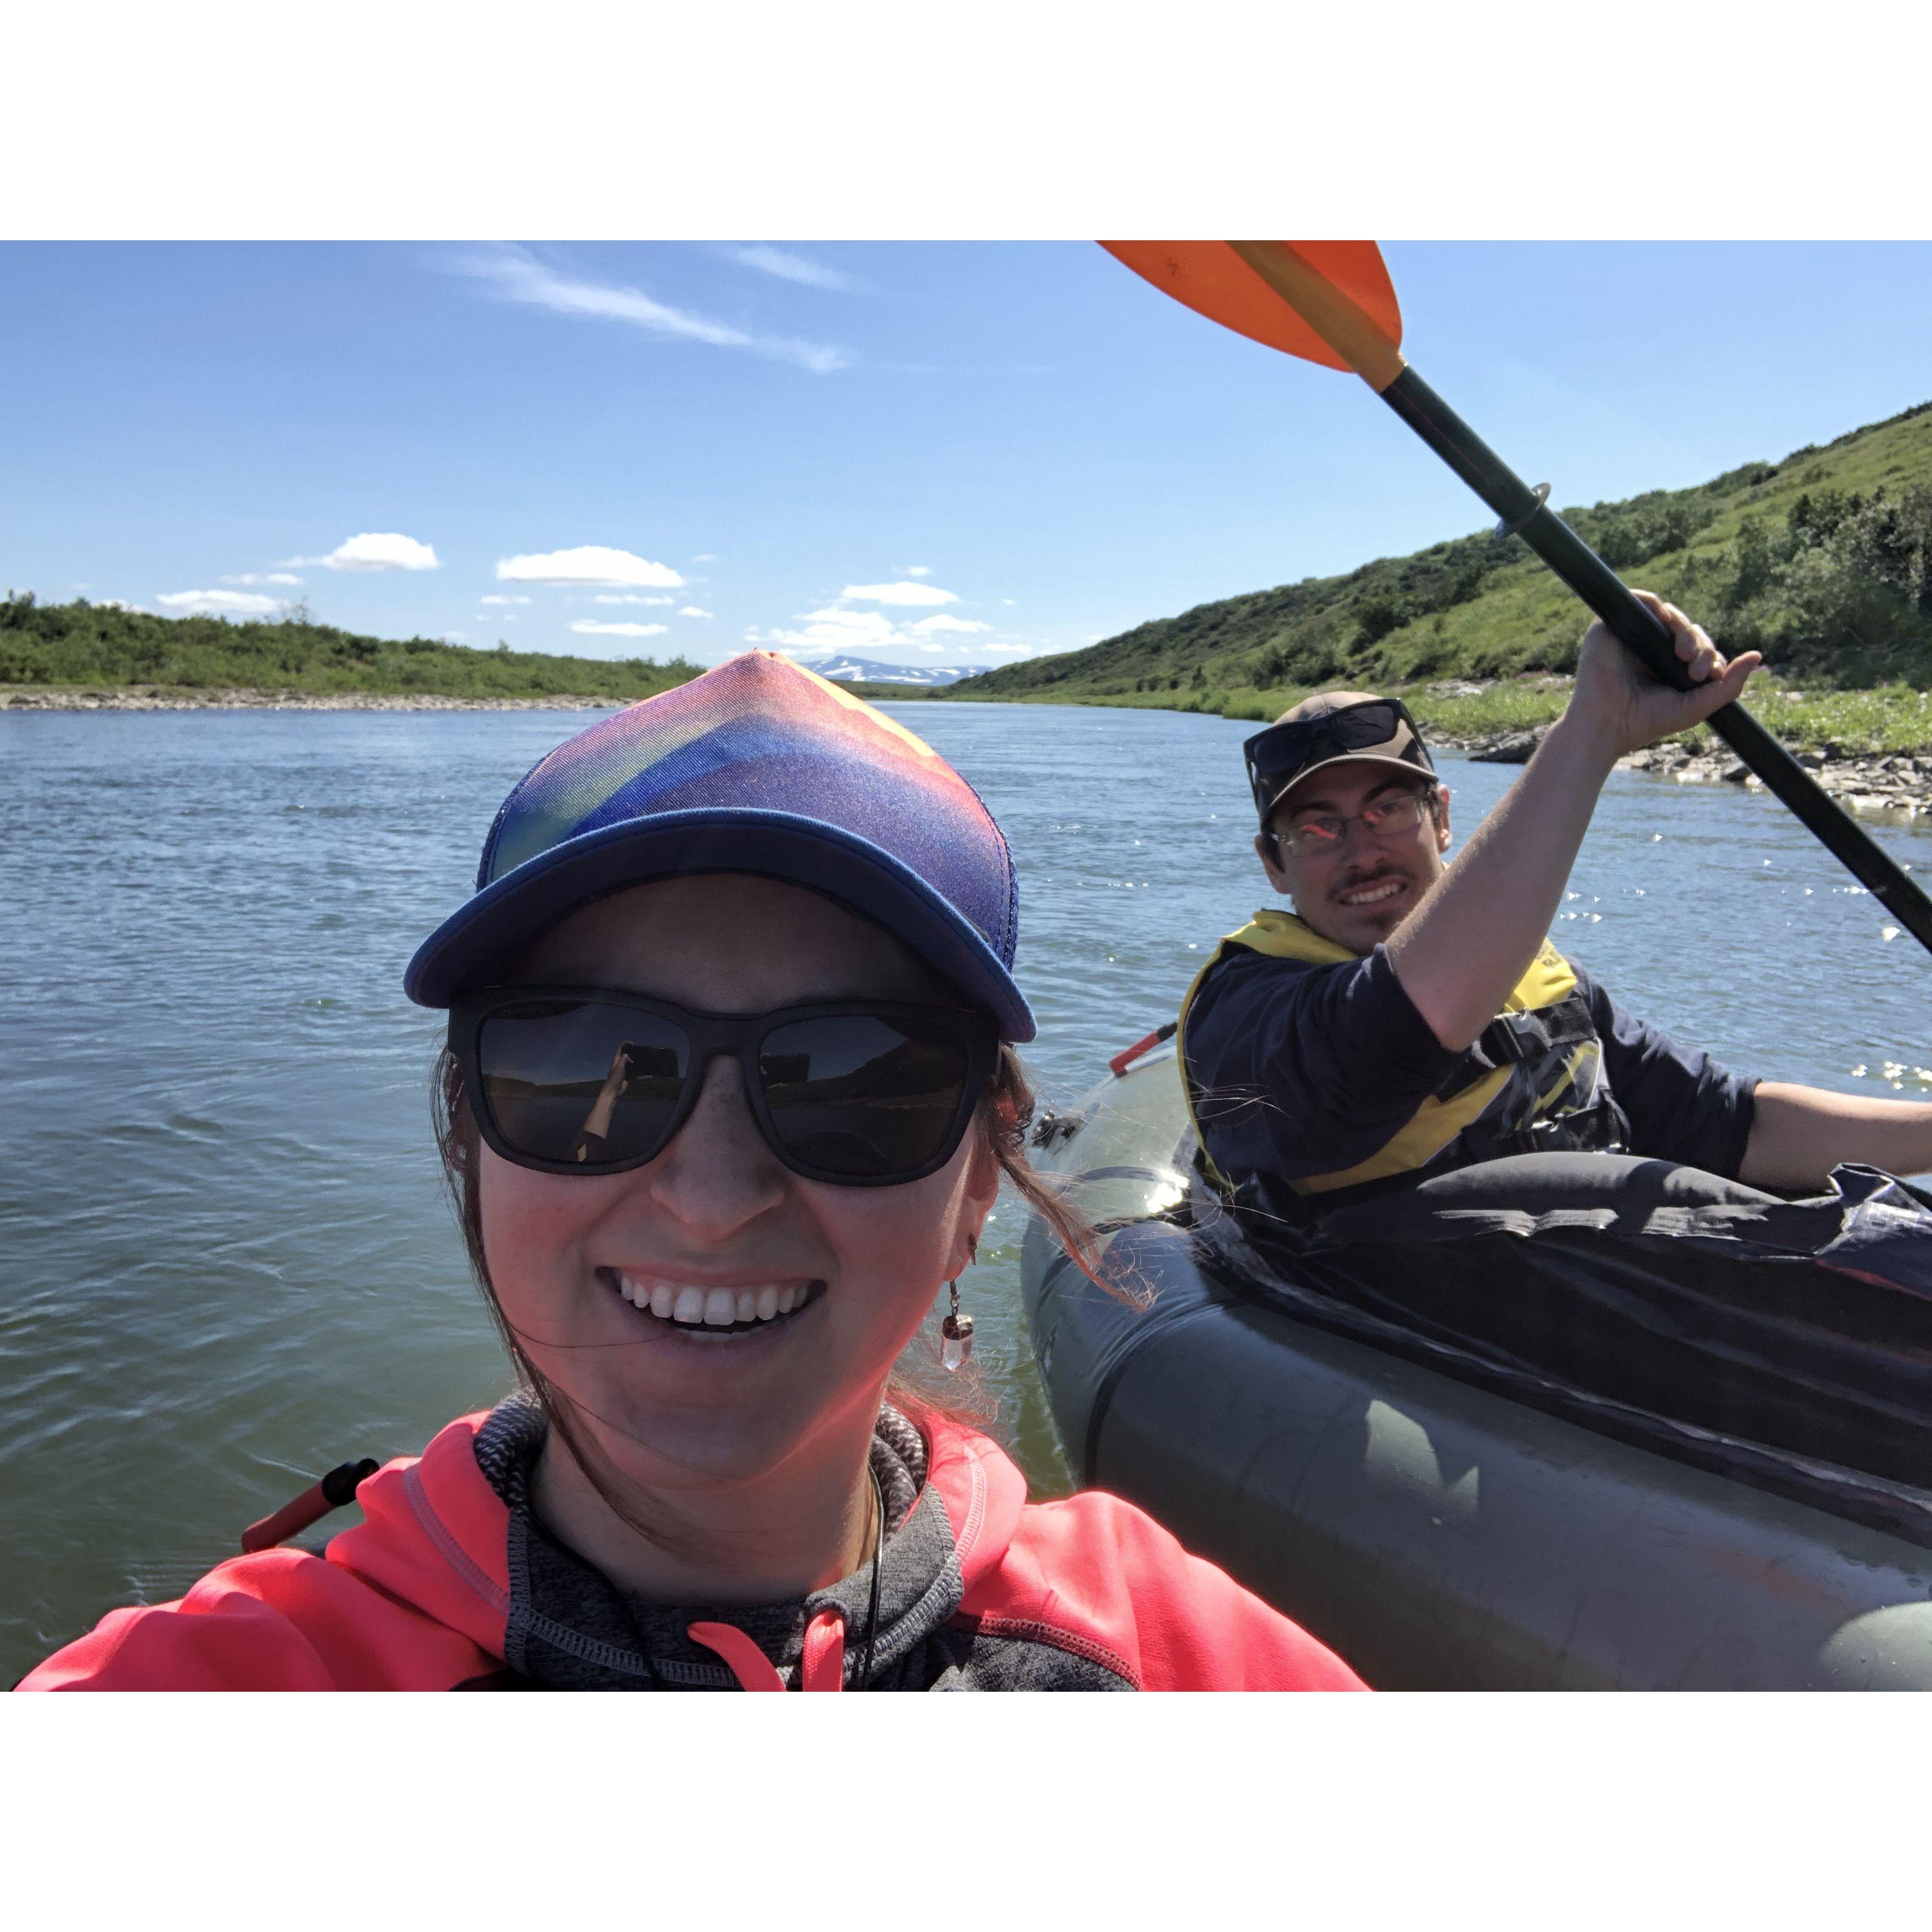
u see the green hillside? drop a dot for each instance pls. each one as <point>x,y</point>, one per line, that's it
<point>98,645</point>
<point>1823,560</point>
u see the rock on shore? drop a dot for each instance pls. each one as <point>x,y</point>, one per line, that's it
<point>1895,785</point>
<point>1899,784</point>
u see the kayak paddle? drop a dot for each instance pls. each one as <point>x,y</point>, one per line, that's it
<point>1332,302</point>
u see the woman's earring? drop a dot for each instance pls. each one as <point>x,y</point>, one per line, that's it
<point>955,1335</point>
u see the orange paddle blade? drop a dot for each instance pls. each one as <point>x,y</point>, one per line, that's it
<point>1210,277</point>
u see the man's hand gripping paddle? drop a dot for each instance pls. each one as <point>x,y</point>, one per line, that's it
<point>1332,302</point>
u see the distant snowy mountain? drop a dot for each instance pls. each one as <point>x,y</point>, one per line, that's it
<point>870,670</point>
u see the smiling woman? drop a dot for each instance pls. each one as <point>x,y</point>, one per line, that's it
<point>729,1089</point>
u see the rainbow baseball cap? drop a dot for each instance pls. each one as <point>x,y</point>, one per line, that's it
<point>758,765</point>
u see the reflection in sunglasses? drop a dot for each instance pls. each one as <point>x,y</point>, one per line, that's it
<point>596,1127</point>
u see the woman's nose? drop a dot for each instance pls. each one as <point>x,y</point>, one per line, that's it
<point>718,1173</point>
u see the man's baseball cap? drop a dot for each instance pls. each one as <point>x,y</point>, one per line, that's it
<point>1331,728</point>
<point>759,766</point>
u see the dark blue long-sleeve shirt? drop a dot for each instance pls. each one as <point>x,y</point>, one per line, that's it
<point>1302,1069</point>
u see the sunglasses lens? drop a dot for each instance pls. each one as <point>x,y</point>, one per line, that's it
<point>575,1082</point>
<point>1363,725</point>
<point>863,1097</point>
<point>1306,741</point>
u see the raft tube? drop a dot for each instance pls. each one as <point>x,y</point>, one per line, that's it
<point>1436,1534</point>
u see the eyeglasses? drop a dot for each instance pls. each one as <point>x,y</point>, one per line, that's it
<point>582,1080</point>
<point>1276,757</point>
<point>1381,819</point>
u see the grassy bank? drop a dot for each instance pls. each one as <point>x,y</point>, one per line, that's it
<point>98,646</point>
<point>1889,719</point>
<point>79,647</point>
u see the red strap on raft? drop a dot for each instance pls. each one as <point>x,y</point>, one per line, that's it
<point>1121,1062</point>
<point>337,1488</point>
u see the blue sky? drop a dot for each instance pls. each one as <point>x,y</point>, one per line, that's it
<point>933,452</point>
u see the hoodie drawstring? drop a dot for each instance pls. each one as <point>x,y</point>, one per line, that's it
<point>822,1665</point>
<point>821,1668</point>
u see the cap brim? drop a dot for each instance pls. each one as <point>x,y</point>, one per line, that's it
<point>1406,765</point>
<point>487,934</point>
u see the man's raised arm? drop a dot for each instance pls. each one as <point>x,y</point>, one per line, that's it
<point>1477,928</point>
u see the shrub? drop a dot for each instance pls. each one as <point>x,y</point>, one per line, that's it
<point>1752,564</point>
<point>1377,614</point>
<point>1274,666</point>
<point>1891,544</point>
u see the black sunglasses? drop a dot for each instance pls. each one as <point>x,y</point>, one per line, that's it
<point>1275,756</point>
<point>582,1080</point>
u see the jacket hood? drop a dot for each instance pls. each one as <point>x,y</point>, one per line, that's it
<point>452,1534</point>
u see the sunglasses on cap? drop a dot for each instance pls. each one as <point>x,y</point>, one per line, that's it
<point>582,1080</point>
<point>1277,757</point>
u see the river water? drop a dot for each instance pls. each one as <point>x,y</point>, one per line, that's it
<point>225,1263</point>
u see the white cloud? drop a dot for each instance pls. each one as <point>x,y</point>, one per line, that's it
<point>500,597</point>
<point>862,631</point>
<point>705,556</point>
<point>692,610</point>
<point>456,637</point>
<point>841,629</point>
<point>589,627</point>
<point>262,577</point>
<point>213,603</point>
<point>629,597</point>
<point>518,276</point>
<point>787,266</point>
<point>370,550</point>
<point>900,593</point>
<point>588,563</point>
<point>919,570</point>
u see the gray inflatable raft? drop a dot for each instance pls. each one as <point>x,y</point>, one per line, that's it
<point>1435,1533</point>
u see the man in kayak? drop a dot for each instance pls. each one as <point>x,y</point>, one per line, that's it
<point>1412,1018</point>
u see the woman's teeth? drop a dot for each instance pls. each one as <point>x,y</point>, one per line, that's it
<point>693,1307</point>
<point>1373,895</point>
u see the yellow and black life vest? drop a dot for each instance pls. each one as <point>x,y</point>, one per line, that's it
<point>1534,1082</point>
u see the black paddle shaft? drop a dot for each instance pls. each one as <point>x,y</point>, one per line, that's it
<point>1525,514</point>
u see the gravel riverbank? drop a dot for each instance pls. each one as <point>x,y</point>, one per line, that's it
<point>1897,786</point>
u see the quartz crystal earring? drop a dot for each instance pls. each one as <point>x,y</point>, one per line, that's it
<point>955,1335</point>
<point>955,1331</point>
